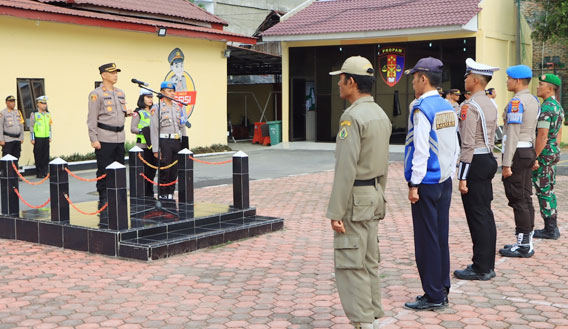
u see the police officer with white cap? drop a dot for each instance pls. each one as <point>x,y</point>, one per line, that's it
<point>40,133</point>
<point>518,158</point>
<point>477,167</point>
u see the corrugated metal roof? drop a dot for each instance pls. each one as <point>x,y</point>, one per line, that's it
<point>339,16</point>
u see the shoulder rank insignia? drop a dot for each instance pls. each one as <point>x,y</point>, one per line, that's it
<point>463,112</point>
<point>343,133</point>
<point>345,123</point>
<point>93,97</point>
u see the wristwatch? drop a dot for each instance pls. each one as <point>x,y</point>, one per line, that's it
<point>411,185</point>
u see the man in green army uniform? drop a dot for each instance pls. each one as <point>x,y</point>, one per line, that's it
<point>547,151</point>
<point>357,199</point>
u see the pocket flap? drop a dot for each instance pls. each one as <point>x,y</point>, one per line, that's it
<point>364,200</point>
<point>345,242</point>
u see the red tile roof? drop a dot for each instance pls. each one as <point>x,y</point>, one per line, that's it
<point>32,9</point>
<point>339,16</point>
<point>174,8</point>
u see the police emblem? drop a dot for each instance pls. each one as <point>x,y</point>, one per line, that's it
<point>463,112</point>
<point>391,64</point>
<point>93,97</point>
<point>515,106</point>
<point>343,133</point>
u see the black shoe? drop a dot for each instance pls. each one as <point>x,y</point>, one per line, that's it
<point>469,274</point>
<point>547,234</point>
<point>517,251</point>
<point>422,304</point>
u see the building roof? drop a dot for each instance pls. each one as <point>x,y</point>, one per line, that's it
<point>174,8</point>
<point>31,9</point>
<point>340,16</point>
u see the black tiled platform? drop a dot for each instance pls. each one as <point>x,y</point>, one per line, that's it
<point>152,233</point>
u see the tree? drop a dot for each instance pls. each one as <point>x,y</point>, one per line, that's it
<point>552,23</point>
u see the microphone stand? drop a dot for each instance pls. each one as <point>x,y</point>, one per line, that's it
<point>158,204</point>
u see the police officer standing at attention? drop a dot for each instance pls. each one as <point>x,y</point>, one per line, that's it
<point>357,199</point>
<point>40,131</point>
<point>430,155</point>
<point>518,158</point>
<point>477,167</point>
<point>140,125</point>
<point>548,153</point>
<point>107,111</point>
<point>168,142</point>
<point>11,129</point>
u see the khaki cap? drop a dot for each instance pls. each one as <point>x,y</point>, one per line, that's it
<point>356,65</point>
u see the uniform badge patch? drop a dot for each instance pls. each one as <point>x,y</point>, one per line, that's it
<point>343,133</point>
<point>463,112</point>
<point>93,97</point>
<point>345,123</point>
<point>515,106</point>
<point>109,109</point>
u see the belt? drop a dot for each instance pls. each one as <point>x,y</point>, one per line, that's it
<point>110,128</point>
<point>170,136</point>
<point>12,135</point>
<point>481,150</point>
<point>524,144</point>
<point>366,182</point>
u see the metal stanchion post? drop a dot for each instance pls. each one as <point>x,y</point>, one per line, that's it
<point>58,187</point>
<point>9,181</point>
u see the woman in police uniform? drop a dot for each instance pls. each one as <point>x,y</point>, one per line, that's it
<point>140,126</point>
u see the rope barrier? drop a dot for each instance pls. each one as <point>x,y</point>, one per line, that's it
<point>103,176</point>
<point>155,167</point>
<point>27,181</point>
<point>82,212</point>
<point>154,183</point>
<point>29,205</point>
<point>211,163</point>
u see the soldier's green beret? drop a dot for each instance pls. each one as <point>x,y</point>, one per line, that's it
<point>551,78</point>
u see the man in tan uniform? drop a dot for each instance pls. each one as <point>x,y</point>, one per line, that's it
<point>107,110</point>
<point>357,200</point>
<point>477,167</point>
<point>166,132</point>
<point>519,155</point>
<point>11,129</point>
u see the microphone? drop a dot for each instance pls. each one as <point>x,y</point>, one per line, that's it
<point>138,82</point>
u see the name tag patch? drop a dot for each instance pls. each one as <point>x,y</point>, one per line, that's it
<point>445,120</point>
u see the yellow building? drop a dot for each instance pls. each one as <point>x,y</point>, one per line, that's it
<point>318,37</point>
<point>55,47</point>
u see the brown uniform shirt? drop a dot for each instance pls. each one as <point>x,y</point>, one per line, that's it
<point>11,122</point>
<point>169,123</point>
<point>107,107</point>
<point>362,152</point>
<point>524,132</point>
<point>478,121</point>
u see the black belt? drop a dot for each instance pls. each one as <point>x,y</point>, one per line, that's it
<point>366,182</point>
<point>110,128</point>
<point>12,135</point>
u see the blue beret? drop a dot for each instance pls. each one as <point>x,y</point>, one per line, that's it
<point>168,85</point>
<point>519,72</point>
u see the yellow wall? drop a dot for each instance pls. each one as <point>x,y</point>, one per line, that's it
<point>238,95</point>
<point>67,57</point>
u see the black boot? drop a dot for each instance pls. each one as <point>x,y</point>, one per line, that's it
<point>522,249</point>
<point>550,230</point>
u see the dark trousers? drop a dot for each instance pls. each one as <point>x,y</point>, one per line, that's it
<point>430,217</point>
<point>41,155</point>
<point>149,172</point>
<point>518,189</point>
<point>13,148</point>
<point>107,154</point>
<point>169,149</point>
<point>477,206</point>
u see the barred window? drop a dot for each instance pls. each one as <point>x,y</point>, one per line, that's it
<point>28,91</point>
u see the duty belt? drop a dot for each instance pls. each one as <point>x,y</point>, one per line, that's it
<point>110,128</point>
<point>481,150</point>
<point>170,136</point>
<point>524,144</point>
<point>12,135</point>
<point>366,182</point>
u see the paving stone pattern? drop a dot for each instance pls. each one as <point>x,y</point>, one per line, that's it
<point>283,279</point>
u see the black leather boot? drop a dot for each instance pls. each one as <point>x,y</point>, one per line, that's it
<point>522,249</point>
<point>550,230</point>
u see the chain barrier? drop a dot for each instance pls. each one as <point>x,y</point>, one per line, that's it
<point>29,205</point>
<point>154,183</point>
<point>82,212</point>
<point>211,163</point>
<point>103,176</point>
<point>155,167</point>
<point>27,181</point>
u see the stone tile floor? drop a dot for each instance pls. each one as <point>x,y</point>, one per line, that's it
<point>282,279</point>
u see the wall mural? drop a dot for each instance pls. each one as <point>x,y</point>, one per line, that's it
<point>185,86</point>
<point>391,64</point>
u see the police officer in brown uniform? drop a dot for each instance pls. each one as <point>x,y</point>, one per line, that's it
<point>519,155</point>
<point>477,167</point>
<point>166,132</point>
<point>357,200</point>
<point>107,111</point>
<point>11,129</point>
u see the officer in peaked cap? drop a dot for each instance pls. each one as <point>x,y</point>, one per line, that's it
<point>519,155</point>
<point>11,128</point>
<point>452,96</point>
<point>40,133</point>
<point>477,167</point>
<point>548,153</point>
<point>176,60</point>
<point>357,199</point>
<point>105,121</point>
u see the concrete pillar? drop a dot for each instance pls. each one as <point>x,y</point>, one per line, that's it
<point>58,187</point>
<point>117,203</point>
<point>135,168</point>
<point>185,176</point>
<point>240,181</point>
<point>9,181</point>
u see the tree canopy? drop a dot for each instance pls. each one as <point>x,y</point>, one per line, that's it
<point>552,23</point>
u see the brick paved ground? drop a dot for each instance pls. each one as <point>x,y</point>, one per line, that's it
<point>283,279</point>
